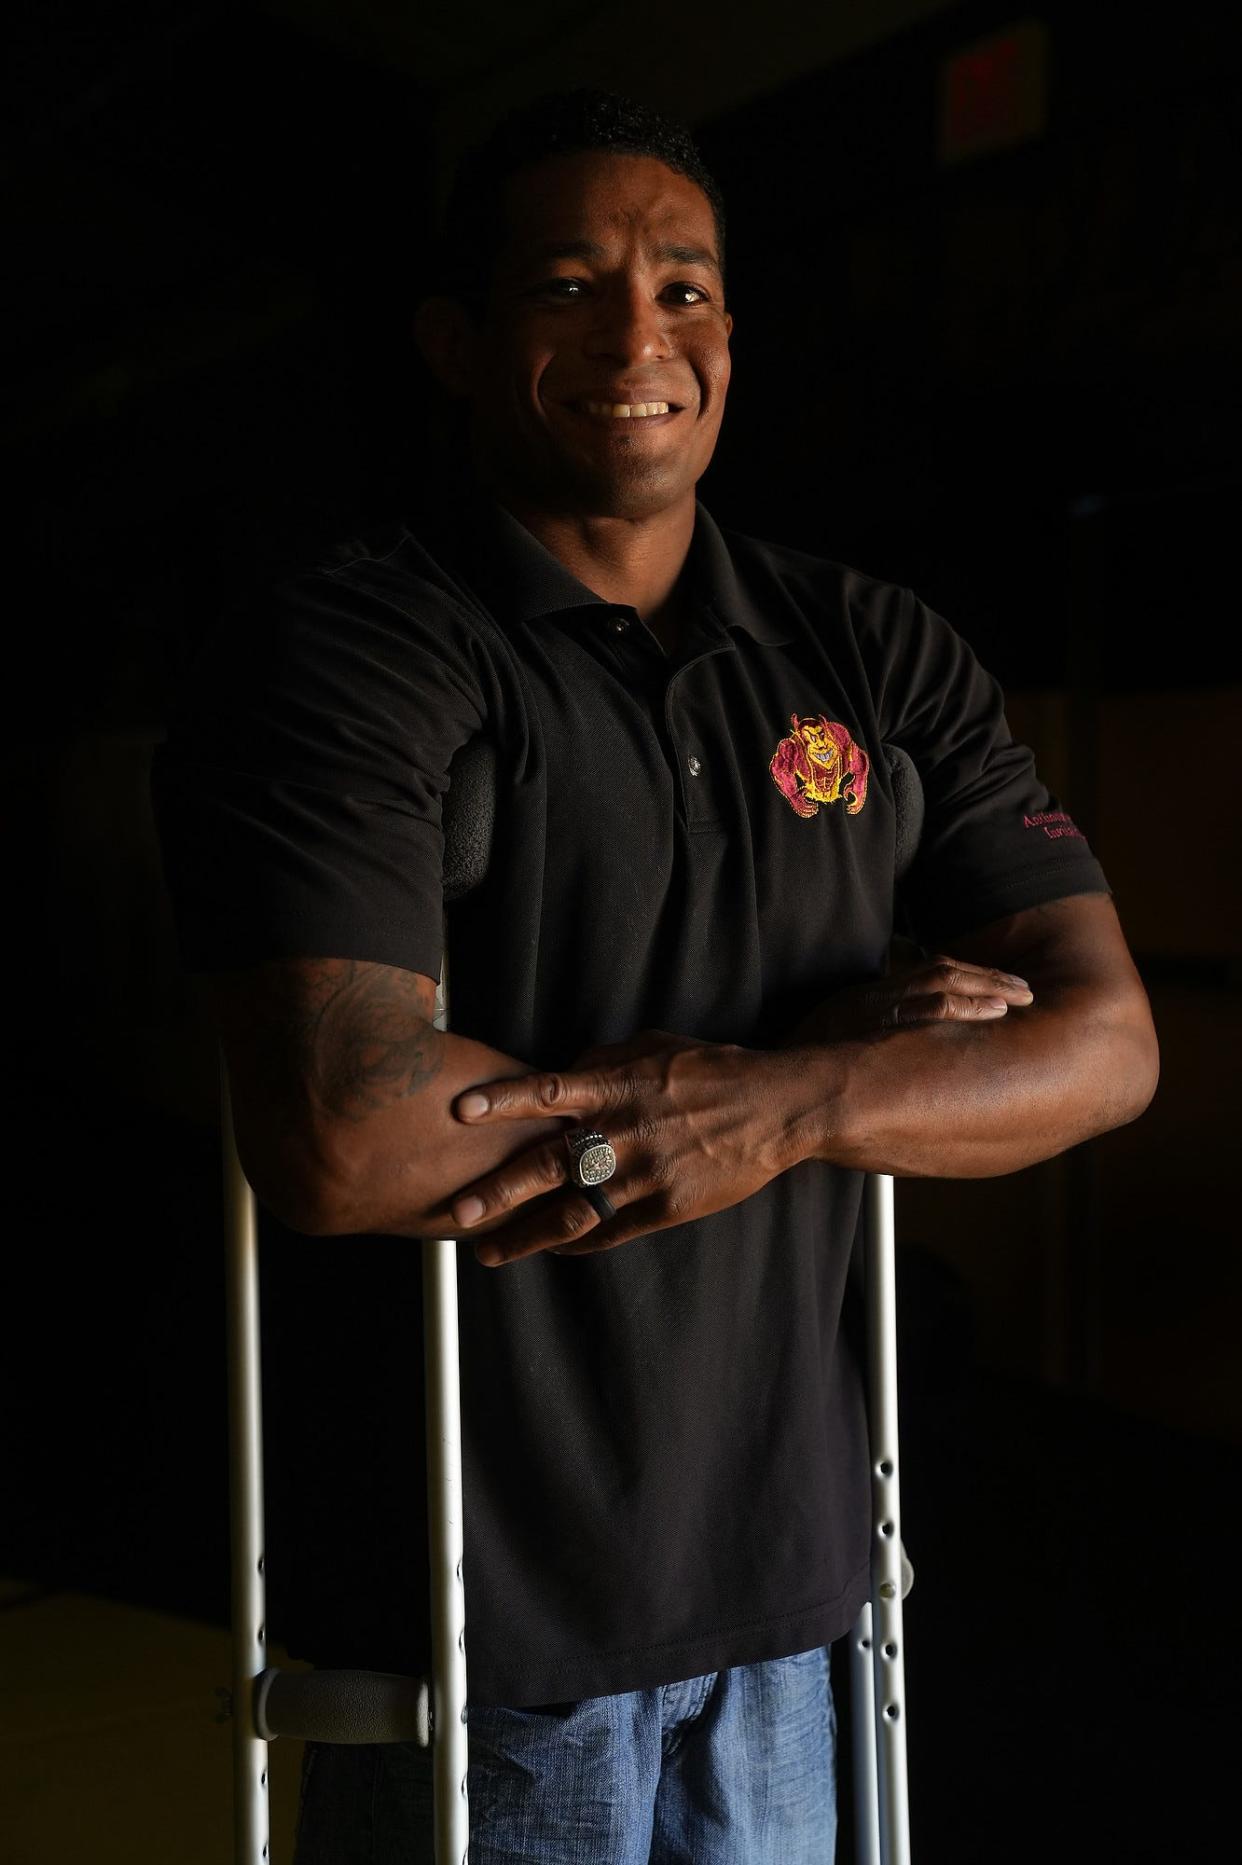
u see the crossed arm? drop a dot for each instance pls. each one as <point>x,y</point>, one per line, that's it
<point>355,1115</point>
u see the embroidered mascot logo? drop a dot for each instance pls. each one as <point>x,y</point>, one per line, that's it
<point>820,763</point>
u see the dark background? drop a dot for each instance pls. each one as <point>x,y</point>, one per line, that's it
<point>1009,376</point>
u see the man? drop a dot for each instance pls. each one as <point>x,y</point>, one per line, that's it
<point>680,945</point>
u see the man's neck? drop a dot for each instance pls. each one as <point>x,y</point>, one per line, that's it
<point>633,561</point>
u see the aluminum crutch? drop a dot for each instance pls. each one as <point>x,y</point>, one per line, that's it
<point>345,1705</point>
<point>877,1647</point>
<point>339,1705</point>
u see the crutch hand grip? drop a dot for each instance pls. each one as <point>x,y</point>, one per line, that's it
<point>342,1706</point>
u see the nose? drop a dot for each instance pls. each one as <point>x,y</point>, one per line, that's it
<point>629,326</point>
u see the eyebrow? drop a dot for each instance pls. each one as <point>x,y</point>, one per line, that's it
<point>591,249</point>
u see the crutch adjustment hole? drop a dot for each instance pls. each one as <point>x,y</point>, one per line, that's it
<point>263,1778</point>
<point>261,1634</point>
<point>884,1467</point>
<point>864,1644</point>
<point>890,1650</point>
<point>461,1639</point>
<point>459,1570</point>
<point>887,1590</point>
<point>465,1715</point>
<point>886,1529</point>
<point>892,1712</point>
<point>464,1779</point>
<point>262,1563</point>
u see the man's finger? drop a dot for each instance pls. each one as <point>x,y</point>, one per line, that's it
<point>541,1169</point>
<point>523,1097</point>
<point>958,974</point>
<point>641,1217</point>
<point>558,1228</point>
<point>947,1007</point>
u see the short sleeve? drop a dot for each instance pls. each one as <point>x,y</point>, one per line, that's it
<point>298,794</point>
<point>995,840</point>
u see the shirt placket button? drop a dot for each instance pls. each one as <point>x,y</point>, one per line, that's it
<point>693,765</point>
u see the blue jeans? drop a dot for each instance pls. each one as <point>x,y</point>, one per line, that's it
<point>735,1768</point>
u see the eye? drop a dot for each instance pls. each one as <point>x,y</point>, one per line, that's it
<point>559,287</point>
<point>685,285</point>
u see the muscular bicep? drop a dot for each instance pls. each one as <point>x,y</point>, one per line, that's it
<point>314,1045</point>
<point>343,1090</point>
<point>338,1036</point>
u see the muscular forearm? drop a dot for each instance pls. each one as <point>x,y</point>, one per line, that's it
<point>342,1091</point>
<point>968,1097</point>
<point>969,1100</point>
<point>396,1171</point>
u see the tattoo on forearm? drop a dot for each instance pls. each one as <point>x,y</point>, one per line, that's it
<point>362,1034</point>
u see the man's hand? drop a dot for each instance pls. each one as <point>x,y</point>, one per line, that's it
<point>696,1127</point>
<point>932,990</point>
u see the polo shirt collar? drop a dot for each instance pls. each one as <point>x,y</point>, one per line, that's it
<point>716,583</point>
<point>521,581</point>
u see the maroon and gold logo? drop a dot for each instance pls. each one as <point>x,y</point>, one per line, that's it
<point>820,763</point>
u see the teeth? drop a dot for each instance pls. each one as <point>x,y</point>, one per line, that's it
<point>627,409</point>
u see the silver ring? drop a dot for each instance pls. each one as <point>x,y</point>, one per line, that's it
<point>591,1159</point>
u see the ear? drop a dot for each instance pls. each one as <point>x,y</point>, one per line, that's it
<point>445,334</point>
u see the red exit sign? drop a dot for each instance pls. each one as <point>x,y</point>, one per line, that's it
<point>994,94</point>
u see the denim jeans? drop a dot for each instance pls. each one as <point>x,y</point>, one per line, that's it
<point>735,1768</point>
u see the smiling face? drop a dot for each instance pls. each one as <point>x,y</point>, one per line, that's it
<point>607,292</point>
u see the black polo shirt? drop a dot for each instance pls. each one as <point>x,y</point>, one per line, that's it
<point>665,1445</point>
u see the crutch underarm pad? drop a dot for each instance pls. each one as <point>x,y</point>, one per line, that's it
<point>469,816</point>
<point>909,806</point>
<point>342,1706</point>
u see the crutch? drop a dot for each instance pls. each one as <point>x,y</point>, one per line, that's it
<point>877,1647</point>
<point>343,1705</point>
<point>877,1661</point>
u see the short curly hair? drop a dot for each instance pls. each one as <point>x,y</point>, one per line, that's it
<point>557,123</point>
